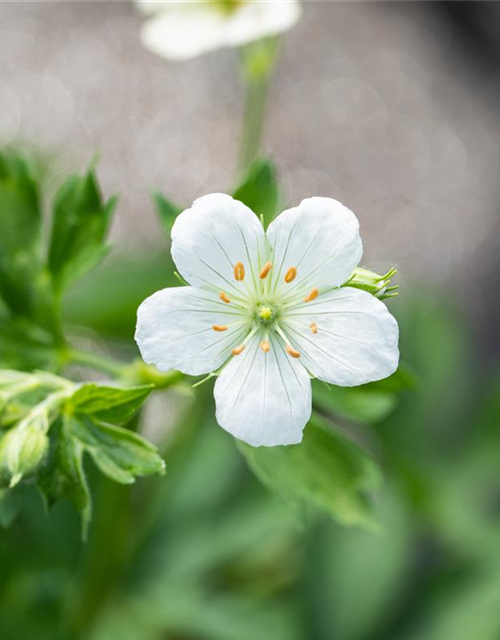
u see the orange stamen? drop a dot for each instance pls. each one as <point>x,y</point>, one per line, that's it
<point>292,352</point>
<point>239,271</point>
<point>220,327</point>
<point>314,327</point>
<point>223,297</point>
<point>265,346</point>
<point>314,294</point>
<point>290,275</point>
<point>265,270</point>
<point>237,350</point>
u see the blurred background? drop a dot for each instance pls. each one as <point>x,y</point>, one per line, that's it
<point>392,108</point>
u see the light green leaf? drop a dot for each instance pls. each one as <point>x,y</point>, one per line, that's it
<point>80,224</point>
<point>167,211</point>
<point>368,403</point>
<point>326,471</point>
<point>119,453</point>
<point>259,190</point>
<point>109,404</point>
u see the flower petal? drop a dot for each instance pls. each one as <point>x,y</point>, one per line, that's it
<point>209,239</point>
<point>255,20</point>
<point>174,330</point>
<point>356,339</point>
<point>264,398</point>
<point>320,238</point>
<point>180,31</point>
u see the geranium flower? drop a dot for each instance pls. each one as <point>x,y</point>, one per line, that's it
<point>266,310</point>
<point>182,30</point>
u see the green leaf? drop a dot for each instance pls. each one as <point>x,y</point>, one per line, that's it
<point>119,453</point>
<point>80,224</point>
<point>369,403</point>
<point>109,404</point>
<point>64,475</point>
<point>259,190</point>
<point>326,471</point>
<point>167,211</point>
<point>20,232</point>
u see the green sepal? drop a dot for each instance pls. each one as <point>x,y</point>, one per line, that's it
<point>167,211</point>
<point>259,190</point>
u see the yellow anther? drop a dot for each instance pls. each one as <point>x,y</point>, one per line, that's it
<point>237,350</point>
<point>292,352</point>
<point>265,270</point>
<point>220,327</point>
<point>314,327</point>
<point>265,346</point>
<point>313,294</point>
<point>265,313</point>
<point>223,297</point>
<point>290,274</point>
<point>239,271</point>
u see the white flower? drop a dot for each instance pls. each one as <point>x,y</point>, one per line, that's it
<point>183,29</point>
<point>267,307</point>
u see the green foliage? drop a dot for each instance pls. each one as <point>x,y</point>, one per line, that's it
<point>20,235</point>
<point>370,402</point>
<point>259,190</point>
<point>326,471</point>
<point>59,421</point>
<point>32,276</point>
<point>80,223</point>
<point>167,212</point>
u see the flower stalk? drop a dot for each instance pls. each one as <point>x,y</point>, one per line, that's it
<point>257,65</point>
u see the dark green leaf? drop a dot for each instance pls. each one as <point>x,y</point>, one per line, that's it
<point>109,404</point>
<point>20,231</point>
<point>80,224</point>
<point>326,470</point>
<point>64,475</point>
<point>167,211</point>
<point>259,190</point>
<point>119,453</point>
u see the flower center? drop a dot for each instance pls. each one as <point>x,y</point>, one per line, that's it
<point>265,314</point>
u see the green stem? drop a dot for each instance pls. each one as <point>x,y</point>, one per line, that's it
<point>257,62</point>
<point>136,372</point>
<point>253,121</point>
<point>104,363</point>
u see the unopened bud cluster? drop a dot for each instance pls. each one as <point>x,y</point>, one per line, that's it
<point>374,283</point>
<point>23,448</point>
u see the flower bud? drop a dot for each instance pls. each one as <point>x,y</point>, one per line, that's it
<point>373,282</point>
<point>23,448</point>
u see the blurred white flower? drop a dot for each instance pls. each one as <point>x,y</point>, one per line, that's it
<point>268,308</point>
<point>179,30</point>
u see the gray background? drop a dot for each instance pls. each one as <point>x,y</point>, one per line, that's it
<point>375,104</point>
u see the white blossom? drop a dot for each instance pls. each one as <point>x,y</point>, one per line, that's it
<point>180,30</point>
<point>266,310</point>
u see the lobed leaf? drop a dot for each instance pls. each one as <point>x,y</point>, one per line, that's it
<point>109,404</point>
<point>80,223</point>
<point>326,471</point>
